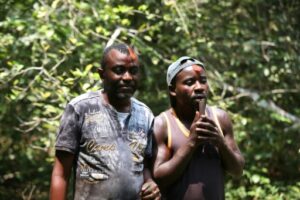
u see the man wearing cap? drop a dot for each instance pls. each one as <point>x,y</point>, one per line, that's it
<point>195,142</point>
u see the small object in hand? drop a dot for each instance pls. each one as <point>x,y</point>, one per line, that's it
<point>202,104</point>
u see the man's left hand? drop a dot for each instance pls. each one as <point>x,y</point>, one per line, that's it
<point>150,191</point>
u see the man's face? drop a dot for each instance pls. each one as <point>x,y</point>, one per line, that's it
<point>120,75</point>
<point>190,86</point>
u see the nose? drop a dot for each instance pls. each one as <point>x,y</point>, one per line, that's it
<point>198,86</point>
<point>127,76</point>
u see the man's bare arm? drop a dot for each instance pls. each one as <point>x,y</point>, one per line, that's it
<point>60,175</point>
<point>150,190</point>
<point>232,158</point>
<point>168,169</point>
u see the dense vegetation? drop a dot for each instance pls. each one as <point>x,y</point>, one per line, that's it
<point>49,50</point>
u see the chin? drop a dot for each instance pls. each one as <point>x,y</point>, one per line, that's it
<point>196,102</point>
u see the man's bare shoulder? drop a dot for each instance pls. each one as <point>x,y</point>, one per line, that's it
<point>161,125</point>
<point>220,113</point>
<point>224,119</point>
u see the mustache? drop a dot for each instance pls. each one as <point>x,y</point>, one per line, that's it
<point>126,83</point>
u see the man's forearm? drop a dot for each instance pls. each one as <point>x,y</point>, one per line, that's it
<point>168,172</point>
<point>60,175</point>
<point>147,174</point>
<point>233,161</point>
<point>58,189</point>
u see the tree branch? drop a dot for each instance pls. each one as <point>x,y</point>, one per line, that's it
<point>268,104</point>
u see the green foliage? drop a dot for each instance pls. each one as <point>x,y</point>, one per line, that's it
<point>49,52</point>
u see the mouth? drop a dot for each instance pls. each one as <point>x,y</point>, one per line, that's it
<point>198,97</point>
<point>126,88</point>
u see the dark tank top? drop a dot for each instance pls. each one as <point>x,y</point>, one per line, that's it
<point>203,176</point>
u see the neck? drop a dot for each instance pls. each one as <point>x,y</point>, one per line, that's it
<point>185,115</point>
<point>121,105</point>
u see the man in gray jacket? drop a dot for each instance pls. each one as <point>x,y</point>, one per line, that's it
<point>106,137</point>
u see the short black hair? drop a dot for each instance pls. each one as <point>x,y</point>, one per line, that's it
<point>123,48</point>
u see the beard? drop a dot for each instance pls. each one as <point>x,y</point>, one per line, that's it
<point>123,96</point>
<point>120,92</point>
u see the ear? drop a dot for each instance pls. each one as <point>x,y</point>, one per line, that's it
<point>101,72</point>
<point>172,90</point>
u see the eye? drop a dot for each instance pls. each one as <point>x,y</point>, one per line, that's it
<point>134,70</point>
<point>203,79</point>
<point>118,70</point>
<point>189,82</point>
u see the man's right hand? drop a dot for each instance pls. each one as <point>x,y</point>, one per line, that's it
<point>194,132</point>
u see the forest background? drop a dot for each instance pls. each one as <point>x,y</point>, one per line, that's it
<point>50,49</point>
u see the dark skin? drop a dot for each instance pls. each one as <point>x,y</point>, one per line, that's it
<point>60,175</point>
<point>189,88</point>
<point>120,78</point>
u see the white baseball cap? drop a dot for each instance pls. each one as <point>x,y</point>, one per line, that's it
<point>180,64</point>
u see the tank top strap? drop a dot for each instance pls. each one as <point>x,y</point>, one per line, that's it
<point>180,125</point>
<point>175,128</point>
<point>215,118</point>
